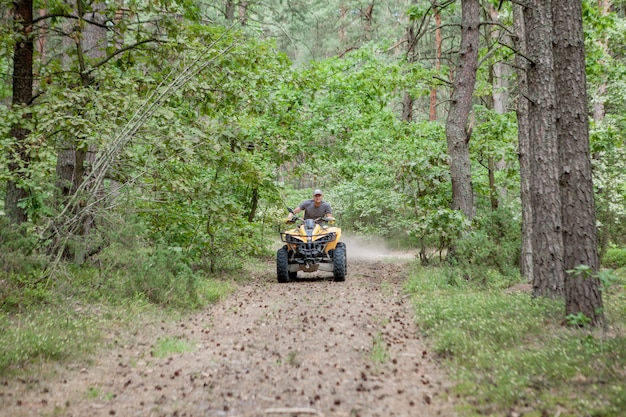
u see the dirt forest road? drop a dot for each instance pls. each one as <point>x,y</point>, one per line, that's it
<point>312,347</point>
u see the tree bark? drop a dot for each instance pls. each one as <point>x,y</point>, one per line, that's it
<point>457,131</point>
<point>499,100</point>
<point>582,293</point>
<point>500,72</point>
<point>407,102</point>
<point>367,16</point>
<point>90,43</point>
<point>243,12</point>
<point>547,235</point>
<point>519,41</point>
<point>22,96</point>
<point>599,102</point>
<point>229,10</point>
<point>432,114</point>
<point>343,13</point>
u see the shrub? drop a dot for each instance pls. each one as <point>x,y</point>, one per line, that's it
<point>614,258</point>
<point>491,250</point>
<point>20,267</point>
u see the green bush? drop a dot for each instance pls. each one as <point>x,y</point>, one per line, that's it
<point>156,274</point>
<point>21,267</point>
<point>614,258</point>
<point>491,251</point>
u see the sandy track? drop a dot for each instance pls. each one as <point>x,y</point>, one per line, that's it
<point>312,347</point>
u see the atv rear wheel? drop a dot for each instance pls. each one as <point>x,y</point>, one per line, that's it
<point>340,262</point>
<point>282,265</point>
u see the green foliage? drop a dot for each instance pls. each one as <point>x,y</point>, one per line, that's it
<point>578,320</point>
<point>610,182</point>
<point>614,258</point>
<point>509,352</point>
<point>130,267</point>
<point>21,266</point>
<point>494,138</point>
<point>491,248</point>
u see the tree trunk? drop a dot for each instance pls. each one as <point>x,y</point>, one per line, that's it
<point>22,96</point>
<point>74,159</point>
<point>599,101</point>
<point>90,43</point>
<point>499,101</point>
<point>582,293</point>
<point>229,10</point>
<point>243,12</point>
<point>254,203</point>
<point>544,159</point>
<point>343,13</point>
<point>367,16</point>
<point>438,41</point>
<point>457,131</point>
<point>499,71</point>
<point>519,40</point>
<point>493,190</point>
<point>407,102</point>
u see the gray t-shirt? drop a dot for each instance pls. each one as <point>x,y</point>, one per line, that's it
<point>312,212</point>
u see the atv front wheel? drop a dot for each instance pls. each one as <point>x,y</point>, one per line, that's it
<point>340,262</point>
<point>282,265</point>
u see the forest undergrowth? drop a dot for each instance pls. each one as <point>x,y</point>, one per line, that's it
<point>512,354</point>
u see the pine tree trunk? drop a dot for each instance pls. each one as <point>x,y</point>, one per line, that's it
<point>22,96</point>
<point>457,132</point>
<point>547,238</point>
<point>89,44</point>
<point>432,113</point>
<point>243,12</point>
<point>229,10</point>
<point>407,102</point>
<point>367,17</point>
<point>526,254</point>
<point>599,102</point>
<point>582,293</point>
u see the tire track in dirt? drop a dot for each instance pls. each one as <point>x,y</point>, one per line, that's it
<point>309,347</point>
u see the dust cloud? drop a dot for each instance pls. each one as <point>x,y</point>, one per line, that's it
<point>371,248</point>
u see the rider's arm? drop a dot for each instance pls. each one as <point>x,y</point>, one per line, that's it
<point>296,211</point>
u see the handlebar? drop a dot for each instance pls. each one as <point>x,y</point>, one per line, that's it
<point>295,219</point>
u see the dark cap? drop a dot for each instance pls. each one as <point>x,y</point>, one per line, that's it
<point>318,191</point>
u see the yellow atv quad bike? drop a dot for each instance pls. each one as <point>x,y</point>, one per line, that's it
<point>311,246</point>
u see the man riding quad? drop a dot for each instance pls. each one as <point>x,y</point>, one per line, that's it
<point>312,245</point>
<point>315,208</point>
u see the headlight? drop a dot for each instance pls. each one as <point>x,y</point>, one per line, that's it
<point>290,238</point>
<point>326,238</point>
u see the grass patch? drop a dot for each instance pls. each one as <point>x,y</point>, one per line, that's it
<point>96,393</point>
<point>170,346</point>
<point>43,335</point>
<point>511,353</point>
<point>379,353</point>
